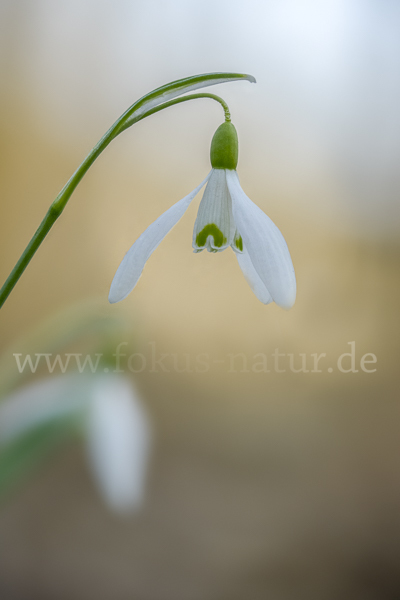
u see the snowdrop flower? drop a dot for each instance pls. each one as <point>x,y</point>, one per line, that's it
<point>114,425</point>
<point>226,218</point>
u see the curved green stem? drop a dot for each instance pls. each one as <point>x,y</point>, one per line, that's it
<point>183,99</point>
<point>146,106</point>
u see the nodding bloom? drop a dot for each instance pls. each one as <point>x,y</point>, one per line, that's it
<point>226,218</point>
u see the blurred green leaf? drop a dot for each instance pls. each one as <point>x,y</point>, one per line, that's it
<point>22,456</point>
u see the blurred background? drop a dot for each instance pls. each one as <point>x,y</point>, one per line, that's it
<point>260,484</point>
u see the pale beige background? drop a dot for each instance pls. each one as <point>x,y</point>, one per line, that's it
<point>262,485</point>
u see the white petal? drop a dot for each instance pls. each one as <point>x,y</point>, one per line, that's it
<point>265,244</point>
<point>252,277</point>
<point>214,228</point>
<point>133,263</point>
<point>118,442</point>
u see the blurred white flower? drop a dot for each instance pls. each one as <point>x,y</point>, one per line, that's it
<point>112,419</point>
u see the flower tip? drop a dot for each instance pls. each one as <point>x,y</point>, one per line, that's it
<point>251,79</point>
<point>118,290</point>
<point>287,306</point>
<point>288,303</point>
<point>113,297</point>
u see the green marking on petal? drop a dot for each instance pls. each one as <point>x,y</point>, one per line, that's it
<point>215,232</point>
<point>239,243</point>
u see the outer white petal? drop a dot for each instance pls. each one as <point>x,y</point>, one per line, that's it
<point>265,244</point>
<point>118,442</point>
<point>133,263</point>
<point>252,277</point>
<point>215,210</point>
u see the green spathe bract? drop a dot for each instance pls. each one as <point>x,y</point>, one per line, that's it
<point>224,147</point>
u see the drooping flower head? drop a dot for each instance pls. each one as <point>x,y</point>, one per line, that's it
<point>226,217</point>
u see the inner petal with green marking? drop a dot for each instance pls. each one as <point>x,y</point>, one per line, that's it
<point>211,230</point>
<point>214,228</point>
<point>237,242</point>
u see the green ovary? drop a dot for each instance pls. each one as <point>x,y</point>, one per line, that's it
<point>215,232</point>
